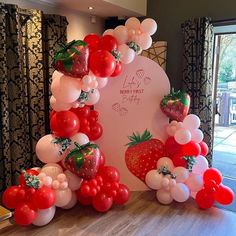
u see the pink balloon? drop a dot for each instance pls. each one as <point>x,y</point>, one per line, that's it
<point>63,197</point>
<point>47,181</point>
<point>201,165</point>
<point>144,41</point>
<point>154,180</point>
<point>165,162</point>
<point>108,32</point>
<point>44,216</point>
<point>165,182</point>
<point>127,54</point>
<point>79,138</point>
<point>164,197</point>
<point>181,173</point>
<point>182,136</point>
<point>148,26</point>
<point>121,34</point>
<point>194,182</point>
<point>72,202</point>
<point>59,106</point>
<point>132,23</point>
<point>131,35</point>
<point>74,181</point>
<point>171,129</point>
<point>180,192</point>
<point>56,74</point>
<point>66,89</point>
<point>55,184</point>
<point>193,194</point>
<point>93,97</point>
<point>191,121</point>
<point>48,151</point>
<point>197,135</point>
<point>102,82</point>
<point>52,170</point>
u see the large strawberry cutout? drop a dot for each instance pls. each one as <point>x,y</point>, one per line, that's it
<point>83,160</point>
<point>143,153</point>
<point>72,59</point>
<point>176,105</point>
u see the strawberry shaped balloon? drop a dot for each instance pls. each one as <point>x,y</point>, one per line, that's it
<point>72,59</point>
<point>176,105</point>
<point>143,153</point>
<point>84,160</point>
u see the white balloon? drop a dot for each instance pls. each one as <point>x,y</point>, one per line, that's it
<point>93,97</point>
<point>102,82</point>
<point>153,179</point>
<point>121,34</point>
<point>201,165</point>
<point>132,23</point>
<point>165,162</point>
<point>79,138</point>
<point>52,170</point>
<point>182,136</point>
<point>180,192</point>
<point>63,197</point>
<point>56,74</point>
<point>191,121</point>
<point>164,196</point>
<point>194,182</point>
<point>148,26</point>
<point>74,181</point>
<point>108,32</point>
<point>197,135</point>
<point>181,173</point>
<point>44,216</point>
<point>127,54</point>
<point>72,202</point>
<point>143,40</point>
<point>59,106</point>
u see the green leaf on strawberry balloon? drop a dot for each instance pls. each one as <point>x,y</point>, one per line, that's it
<point>137,138</point>
<point>67,53</point>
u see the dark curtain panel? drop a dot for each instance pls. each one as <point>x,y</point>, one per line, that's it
<point>197,73</point>
<point>54,33</point>
<point>23,90</point>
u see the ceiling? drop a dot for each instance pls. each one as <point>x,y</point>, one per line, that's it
<point>104,8</point>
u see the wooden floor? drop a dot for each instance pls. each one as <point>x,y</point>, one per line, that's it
<point>141,216</point>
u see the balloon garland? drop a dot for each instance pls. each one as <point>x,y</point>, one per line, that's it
<point>177,169</point>
<point>75,169</point>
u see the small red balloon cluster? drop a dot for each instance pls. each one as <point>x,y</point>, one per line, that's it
<point>213,190</point>
<point>103,190</point>
<point>177,169</point>
<point>29,201</point>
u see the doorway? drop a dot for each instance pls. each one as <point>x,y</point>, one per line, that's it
<point>224,151</point>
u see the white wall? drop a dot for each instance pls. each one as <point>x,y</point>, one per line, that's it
<point>79,23</point>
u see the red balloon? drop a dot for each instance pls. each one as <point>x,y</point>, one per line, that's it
<point>123,195</point>
<point>85,129</point>
<point>191,149</point>
<point>94,113</point>
<point>204,148</point>
<point>108,42</point>
<point>102,203</point>
<point>64,124</point>
<point>13,196</point>
<point>85,201</point>
<point>109,174</point>
<point>24,214</point>
<point>102,63</point>
<point>44,198</point>
<point>29,172</point>
<point>224,195</point>
<point>172,147</point>
<point>117,70</point>
<point>211,186</point>
<point>212,174</point>
<point>96,131</point>
<point>204,199</point>
<point>92,40</point>
<point>81,112</point>
<point>51,114</point>
<point>178,160</point>
<point>102,160</point>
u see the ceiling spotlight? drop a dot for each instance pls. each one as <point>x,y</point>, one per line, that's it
<point>90,8</point>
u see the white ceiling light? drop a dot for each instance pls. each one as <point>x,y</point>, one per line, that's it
<point>90,8</point>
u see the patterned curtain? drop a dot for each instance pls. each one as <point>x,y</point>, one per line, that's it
<point>197,73</point>
<point>23,90</point>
